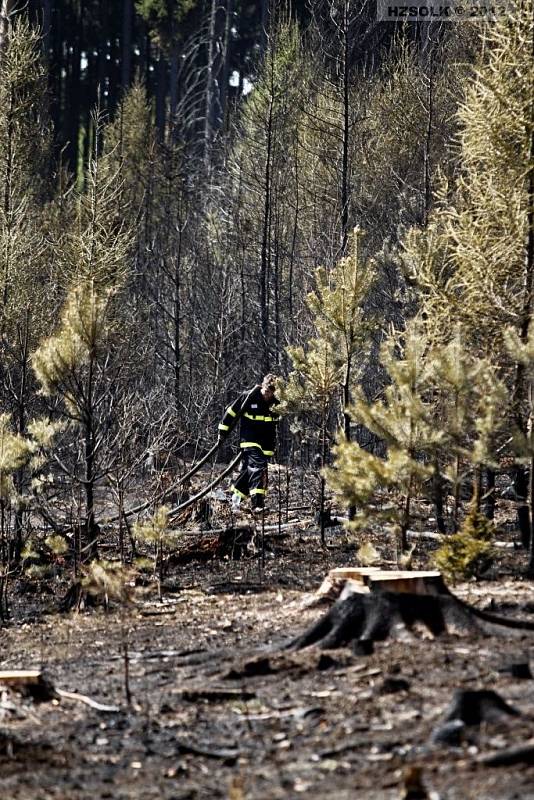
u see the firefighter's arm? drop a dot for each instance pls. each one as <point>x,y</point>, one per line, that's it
<point>230,417</point>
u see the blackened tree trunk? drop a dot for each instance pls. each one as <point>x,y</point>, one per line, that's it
<point>225,69</point>
<point>47,28</point>
<point>265,243</point>
<point>21,402</point>
<point>127,27</point>
<point>161,95</point>
<point>530,279</point>
<point>73,96</point>
<point>89,539</point>
<point>489,508</point>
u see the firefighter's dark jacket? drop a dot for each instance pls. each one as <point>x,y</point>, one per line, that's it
<point>258,421</point>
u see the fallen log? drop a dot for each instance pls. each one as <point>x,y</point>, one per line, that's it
<point>439,538</point>
<point>86,700</point>
<point>229,542</point>
<point>522,754</point>
<point>214,694</point>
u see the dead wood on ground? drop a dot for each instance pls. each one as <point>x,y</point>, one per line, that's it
<point>35,684</point>
<point>231,542</point>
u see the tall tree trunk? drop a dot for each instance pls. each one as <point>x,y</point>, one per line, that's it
<point>173,85</point>
<point>47,28</point>
<point>530,279</point>
<point>521,481</point>
<point>73,96</point>
<point>264,30</point>
<point>225,69</point>
<point>7,8</point>
<point>127,26</point>
<point>161,95</point>
<point>264,262</point>
<point>346,132</point>
<point>90,539</point>
<point>24,363</point>
<point>489,509</point>
<point>212,112</point>
<point>56,68</point>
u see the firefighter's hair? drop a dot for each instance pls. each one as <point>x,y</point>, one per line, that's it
<point>269,381</point>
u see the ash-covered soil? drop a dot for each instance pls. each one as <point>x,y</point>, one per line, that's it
<point>204,724</point>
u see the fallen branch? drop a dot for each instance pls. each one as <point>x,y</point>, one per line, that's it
<point>88,701</point>
<point>524,754</point>
<point>206,490</point>
<point>215,694</point>
<point>228,755</point>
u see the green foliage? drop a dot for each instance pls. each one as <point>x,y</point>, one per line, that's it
<point>469,401</point>
<point>336,357</point>
<point>24,124</point>
<point>338,304</point>
<point>57,544</point>
<point>81,337</point>
<point>40,558</point>
<point>442,403</point>
<point>469,552</point>
<point>368,554</point>
<point>25,152</point>
<point>403,419</point>
<point>156,529</point>
<point>97,245</point>
<point>164,17</point>
<point>470,261</point>
<point>109,580</point>
<point>130,149</point>
<point>163,10</point>
<point>93,256</point>
<point>17,451</point>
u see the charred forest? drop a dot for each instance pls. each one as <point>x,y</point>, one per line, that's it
<point>195,194</point>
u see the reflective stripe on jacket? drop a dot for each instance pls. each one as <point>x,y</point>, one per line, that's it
<point>258,421</point>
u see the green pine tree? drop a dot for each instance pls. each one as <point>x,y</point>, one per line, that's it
<point>76,363</point>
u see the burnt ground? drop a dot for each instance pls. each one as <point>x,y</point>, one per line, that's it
<point>202,725</point>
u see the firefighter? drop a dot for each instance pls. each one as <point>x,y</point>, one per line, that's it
<point>257,438</point>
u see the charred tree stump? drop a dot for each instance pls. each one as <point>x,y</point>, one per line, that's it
<point>469,708</point>
<point>360,619</point>
<point>472,707</point>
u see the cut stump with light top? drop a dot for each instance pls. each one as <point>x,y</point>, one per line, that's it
<point>374,579</point>
<point>31,682</point>
<point>374,605</point>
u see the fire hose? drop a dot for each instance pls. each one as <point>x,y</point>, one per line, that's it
<point>170,489</point>
<point>207,489</point>
<point>194,469</point>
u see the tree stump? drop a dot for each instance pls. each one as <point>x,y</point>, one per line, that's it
<point>361,618</point>
<point>372,579</point>
<point>29,682</point>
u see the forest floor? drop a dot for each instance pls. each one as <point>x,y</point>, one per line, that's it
<point>203,723</point>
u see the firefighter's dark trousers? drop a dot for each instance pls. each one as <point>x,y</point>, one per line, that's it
<point>252,480</point>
